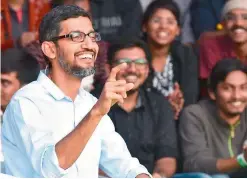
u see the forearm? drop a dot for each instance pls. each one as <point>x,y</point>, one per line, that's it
<point>227,165</point>
<point>70,147</point>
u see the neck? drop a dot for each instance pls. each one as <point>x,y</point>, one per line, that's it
<point>231,120</point>
<point>15,4</point>
<point>67,83</point>
<point>159,51</point>
<point>130,102</point>
<point>241,51</point>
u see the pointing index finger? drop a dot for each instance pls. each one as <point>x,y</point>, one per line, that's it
<point>115,70</point>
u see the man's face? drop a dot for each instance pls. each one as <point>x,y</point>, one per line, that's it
<point>137,70</point>
<point>76,58</point>
<point>231,95</point>
<point>9,85</point>
<point>236,25</point>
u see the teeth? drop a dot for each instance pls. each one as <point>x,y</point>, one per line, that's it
<point>83,56</point>
<point>163,34</point>
<point>239,30</point>
<point>238,103</point>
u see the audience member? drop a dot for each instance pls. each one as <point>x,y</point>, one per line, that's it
<point>54,128</point>
<point>206,16</point>
<point>145,119</point>
<point>213,131</point>
<point>113,18</point>
<point>20,21</point>
<point>18,68</point>
<point>175,65</point>
<point>232,44</point>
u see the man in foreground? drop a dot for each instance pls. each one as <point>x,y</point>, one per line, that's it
<point>52,127</point>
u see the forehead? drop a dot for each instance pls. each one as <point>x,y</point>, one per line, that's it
<point>9,76</point>
<point>162,12</point>
<point>82,24</point>
<point>238,11</point>
<point>132,53</point>
<point>236,78</point>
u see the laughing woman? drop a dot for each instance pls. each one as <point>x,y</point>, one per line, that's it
<point>175,65</point>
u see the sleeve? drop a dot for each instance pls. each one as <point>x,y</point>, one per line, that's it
<point>166,138</point>
<point>116,160</point>
<point>196,154</point>
<point>26,132</point>
<point>202,17</point>
<point>190,82</point>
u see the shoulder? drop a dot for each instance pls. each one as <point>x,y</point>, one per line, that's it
<point>198,112</point>
<point>155,96</point>
<point>181,51</point>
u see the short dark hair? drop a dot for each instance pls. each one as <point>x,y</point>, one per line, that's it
<point>221,71</point>
<point>130,42</point>
<point>20,61</point>
<point>50,24</point>
<point>161,4</point>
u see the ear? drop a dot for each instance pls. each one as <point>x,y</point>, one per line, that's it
<point>212,95</point>
<point>49,49</point>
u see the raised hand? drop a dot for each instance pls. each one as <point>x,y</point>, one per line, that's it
<point>176,100</point>
<point>114,91</point>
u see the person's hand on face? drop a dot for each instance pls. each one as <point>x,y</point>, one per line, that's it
<point>114,91</point>
<point>176,100</point>
<point>27,37</point>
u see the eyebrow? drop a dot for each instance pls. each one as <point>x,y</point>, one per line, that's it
<point>81,31</point>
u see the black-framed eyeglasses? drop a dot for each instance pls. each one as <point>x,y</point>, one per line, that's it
<point>77,36</point>
<point>138,62</point>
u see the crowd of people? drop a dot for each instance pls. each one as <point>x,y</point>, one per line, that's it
<point>124,88</point>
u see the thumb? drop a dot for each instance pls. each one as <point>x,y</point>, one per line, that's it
<point>176,86</point>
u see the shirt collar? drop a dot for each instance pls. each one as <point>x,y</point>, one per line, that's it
<point>53,89</point>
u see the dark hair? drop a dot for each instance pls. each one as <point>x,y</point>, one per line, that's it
<point>161,4</point>
<point>50,24</point>
<point>221,71</point>
<point>26,66</point>
<point>130,42</point>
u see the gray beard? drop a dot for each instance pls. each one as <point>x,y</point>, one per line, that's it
<point>76,71</point>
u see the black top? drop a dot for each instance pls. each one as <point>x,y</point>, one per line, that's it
<point>149,129</point>
<point>185,69</point>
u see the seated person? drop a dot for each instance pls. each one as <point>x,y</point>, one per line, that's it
<point>230,44</point>
<point>145,118</point>
<point>20,20</point>
<point>175,64</point>
<point>213,131</point>
<point>18,68</point>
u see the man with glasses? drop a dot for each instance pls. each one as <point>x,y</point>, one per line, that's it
<point>232,43</point>
<point>52,127</point>
<point>145,118</point>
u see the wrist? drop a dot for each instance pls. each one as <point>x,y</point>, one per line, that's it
<point>241,160</point>
<point>95,112</point>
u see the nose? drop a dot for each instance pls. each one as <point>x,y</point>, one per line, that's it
<point>131,67</point>
<point>88,43</point>
<point>237,94</point>
<point>239,21</point>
